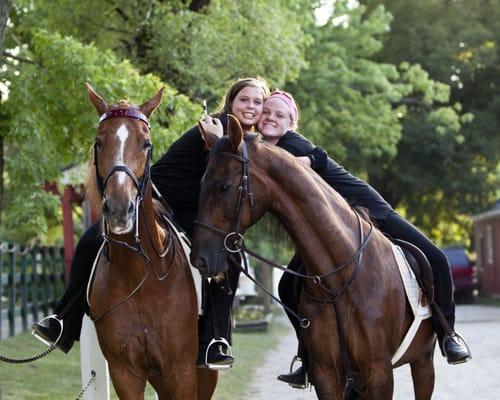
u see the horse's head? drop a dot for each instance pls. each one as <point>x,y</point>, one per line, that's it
<point>231,200</point>
<point>122,154</point>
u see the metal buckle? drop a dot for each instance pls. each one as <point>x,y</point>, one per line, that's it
<point>219,341</point>
<point>41,338</point>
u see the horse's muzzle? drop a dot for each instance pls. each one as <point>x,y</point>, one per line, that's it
<point>210,264</point>
<point>120,216</point>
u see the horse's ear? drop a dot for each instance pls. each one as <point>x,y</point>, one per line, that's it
<point>234,132</point>
<point>152,104</point>
<point>100,105</point>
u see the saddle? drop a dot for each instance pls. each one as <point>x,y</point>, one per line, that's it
<point>420,266</point>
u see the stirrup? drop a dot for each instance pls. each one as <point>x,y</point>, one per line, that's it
<point>220,341</point>
<point>61,327</point>
<point>306,382</point>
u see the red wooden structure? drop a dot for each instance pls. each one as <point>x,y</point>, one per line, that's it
<point>71,194</point>
<point>487,243</point>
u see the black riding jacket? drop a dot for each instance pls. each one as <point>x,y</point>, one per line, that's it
<point>353,189</point>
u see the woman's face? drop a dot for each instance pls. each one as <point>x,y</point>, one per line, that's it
<point>247,106</point>
<point>275,120</point>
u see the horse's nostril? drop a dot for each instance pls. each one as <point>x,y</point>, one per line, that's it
<point>131,208</point>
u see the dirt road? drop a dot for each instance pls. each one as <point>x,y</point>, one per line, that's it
<point>477,379</point>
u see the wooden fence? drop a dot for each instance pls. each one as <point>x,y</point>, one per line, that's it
<point>31,281</point>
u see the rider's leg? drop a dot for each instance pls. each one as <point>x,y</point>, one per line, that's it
<point>288,293</point>
<point>216,320</point>
<point>71,308</point>
<point>399,228</point>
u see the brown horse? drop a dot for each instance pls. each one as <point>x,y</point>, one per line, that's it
<point>142,297</point>
<point>246,178</point>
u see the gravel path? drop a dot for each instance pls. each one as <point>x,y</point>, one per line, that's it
<point>477,379</point>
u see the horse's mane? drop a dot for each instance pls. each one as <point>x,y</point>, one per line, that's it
<point>322,185</point>
<point>92,194</point>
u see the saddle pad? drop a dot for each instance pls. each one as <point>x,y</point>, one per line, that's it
<point>414,294</point>
<point>186,247</point>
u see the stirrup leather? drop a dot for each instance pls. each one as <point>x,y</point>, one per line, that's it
<point>220,341</point>
<point>306,384</point>
<point>61,327</point>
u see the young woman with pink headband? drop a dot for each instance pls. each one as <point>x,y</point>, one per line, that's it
<point>277,123</point>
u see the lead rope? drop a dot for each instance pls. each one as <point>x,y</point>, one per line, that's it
<point>27,360</point>
<point>91,379</point>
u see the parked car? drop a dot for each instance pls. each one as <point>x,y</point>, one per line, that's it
<point>464,275</point>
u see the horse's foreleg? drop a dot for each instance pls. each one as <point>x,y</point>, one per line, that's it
<point>207,381</point>
<point>381,382</point>
<point>181,382</point>
<point>422,372</point>
<point>127,385</point>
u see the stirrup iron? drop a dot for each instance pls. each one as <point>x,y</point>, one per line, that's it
<point>219,341</point>
<point>61,327</point>
<point>306,384</point>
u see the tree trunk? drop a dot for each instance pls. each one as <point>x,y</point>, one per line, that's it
<point>4,14</point>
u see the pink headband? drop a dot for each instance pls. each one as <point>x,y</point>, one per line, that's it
<point>288,101</point>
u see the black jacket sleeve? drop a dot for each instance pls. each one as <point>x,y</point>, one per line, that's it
<point>354,190</point>
<point>299,146</point>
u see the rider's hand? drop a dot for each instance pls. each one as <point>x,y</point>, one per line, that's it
<point>211,126</point>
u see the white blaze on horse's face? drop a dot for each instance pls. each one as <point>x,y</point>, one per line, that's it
<point>122,134</point>
<point>120,191</point>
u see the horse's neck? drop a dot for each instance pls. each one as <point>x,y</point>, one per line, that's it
<point>320,222</point>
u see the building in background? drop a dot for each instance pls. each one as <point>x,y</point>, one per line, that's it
<point>487,244</point>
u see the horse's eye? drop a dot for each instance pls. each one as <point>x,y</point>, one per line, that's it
<point>223,187</point>
<point>97,142</point>
<point>147,144</point>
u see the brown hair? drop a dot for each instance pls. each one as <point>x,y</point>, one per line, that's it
<point>227,101</point>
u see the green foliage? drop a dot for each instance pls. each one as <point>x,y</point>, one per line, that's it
<point>354,105</point>
<point>447,158</point>
<point>198,53</point>
<point>52,123</point>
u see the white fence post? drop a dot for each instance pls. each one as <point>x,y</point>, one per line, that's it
<point>91,359</point>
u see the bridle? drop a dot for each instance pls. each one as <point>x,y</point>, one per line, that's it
<point>234,243</point>
<point>141,186</point>
<point>234,240</point>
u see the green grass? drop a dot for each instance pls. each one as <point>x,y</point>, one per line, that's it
<point>57,376</point>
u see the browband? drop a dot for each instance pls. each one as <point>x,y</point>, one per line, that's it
<point>124,112</point>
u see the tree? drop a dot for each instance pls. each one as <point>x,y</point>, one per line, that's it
<point>44,137</point>
<point>446,174</point>
<point>196,48</point>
